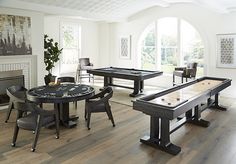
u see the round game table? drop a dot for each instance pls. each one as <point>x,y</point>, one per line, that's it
<point>61,95</point>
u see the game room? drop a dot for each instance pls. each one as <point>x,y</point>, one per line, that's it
<point>118,81</point>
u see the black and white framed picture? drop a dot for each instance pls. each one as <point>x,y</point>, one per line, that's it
<point>125,47</point>
<point>226,50</point>
<point>15,35</point>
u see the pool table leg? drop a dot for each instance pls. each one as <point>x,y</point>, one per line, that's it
<point>163,142</point>
<point>108,81</point>
<point>141,86</point>
<point>137,87</point>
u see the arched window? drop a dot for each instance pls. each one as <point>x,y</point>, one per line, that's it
<point>148,48</point>
<point>170,42</point>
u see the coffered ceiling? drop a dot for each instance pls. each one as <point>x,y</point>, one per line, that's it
<point>109,10</point>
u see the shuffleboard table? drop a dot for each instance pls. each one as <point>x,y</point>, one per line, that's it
<point>138,76</point>
<point>190,99</point>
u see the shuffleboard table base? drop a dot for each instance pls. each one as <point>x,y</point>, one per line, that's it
<point>169,148</point>
<point>161,112</point>
<point>215,103</point>
<point>201,122</point>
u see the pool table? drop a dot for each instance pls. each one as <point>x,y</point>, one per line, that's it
<point>138,76</point>
<point>189,99</point>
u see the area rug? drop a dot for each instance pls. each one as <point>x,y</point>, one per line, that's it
<point>121,95</point>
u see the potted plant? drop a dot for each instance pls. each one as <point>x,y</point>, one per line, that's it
<point>51,56</point>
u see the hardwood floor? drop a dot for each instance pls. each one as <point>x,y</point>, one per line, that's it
<point>106,144</point>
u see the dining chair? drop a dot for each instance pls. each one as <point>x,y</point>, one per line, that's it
<point>99,103</point>
<point>84,65</point>
<point>33,119</point>
<point>185,72</point>
<point>67,79</point>
<point>15,93</point>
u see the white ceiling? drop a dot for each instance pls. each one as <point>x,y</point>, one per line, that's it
<point>109,10</point>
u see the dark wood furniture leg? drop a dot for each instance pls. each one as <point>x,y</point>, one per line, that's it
<point>136,88</point>
<point>197,118</point>
<point>13,144</point>
<point>165,143</point>
<point>153,139</point>
<point>141,85</point>
<point>216,103</point>
<point>106,81</point>
<point>173,79</point>
<point>10,107</point>
<point>162,142</point>
<point>64,115</point>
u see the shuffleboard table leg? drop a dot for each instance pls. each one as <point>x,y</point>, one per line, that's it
<point>216,103</point>
<point>165,143</point>
<point>197,118</point>
<point>160,138</point>
<point>153,139</point>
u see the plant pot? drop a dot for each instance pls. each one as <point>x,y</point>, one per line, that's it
<point>49,78</point>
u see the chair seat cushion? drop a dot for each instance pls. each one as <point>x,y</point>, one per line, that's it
<point>29,122</point>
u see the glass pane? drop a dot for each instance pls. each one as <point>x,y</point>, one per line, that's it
<point>148,48</point>
<point>70,36</point>
<point>167,33</point>
<point>192,46</point>
<point>69,60</point>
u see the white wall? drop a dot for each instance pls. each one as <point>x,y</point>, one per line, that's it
<point>89,37</point>
<point>104,44</point>
<point>208,24</point>
<point>36,41</point>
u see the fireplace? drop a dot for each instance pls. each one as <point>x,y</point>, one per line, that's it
<point>7,79</point>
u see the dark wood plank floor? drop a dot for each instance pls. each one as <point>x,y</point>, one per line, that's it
<point>106,144</point>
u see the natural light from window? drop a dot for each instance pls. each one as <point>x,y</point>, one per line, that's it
<point>70,41</point>
<point>170,42</point>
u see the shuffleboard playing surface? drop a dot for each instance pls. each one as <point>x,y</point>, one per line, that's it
<point>180,96</point>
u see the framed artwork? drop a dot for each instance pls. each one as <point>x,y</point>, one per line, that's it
<point>226,50</point>
<point>15,35</point>
<point>125,47</point>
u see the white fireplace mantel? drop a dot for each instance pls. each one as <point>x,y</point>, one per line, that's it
<point>27,63</point>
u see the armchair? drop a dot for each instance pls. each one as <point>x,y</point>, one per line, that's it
<point>84,65</point>
<point>15,93</point>
<point>67,79</point>
<point>185,72</point>
<point>99,103</point>
<point>33,119</point>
